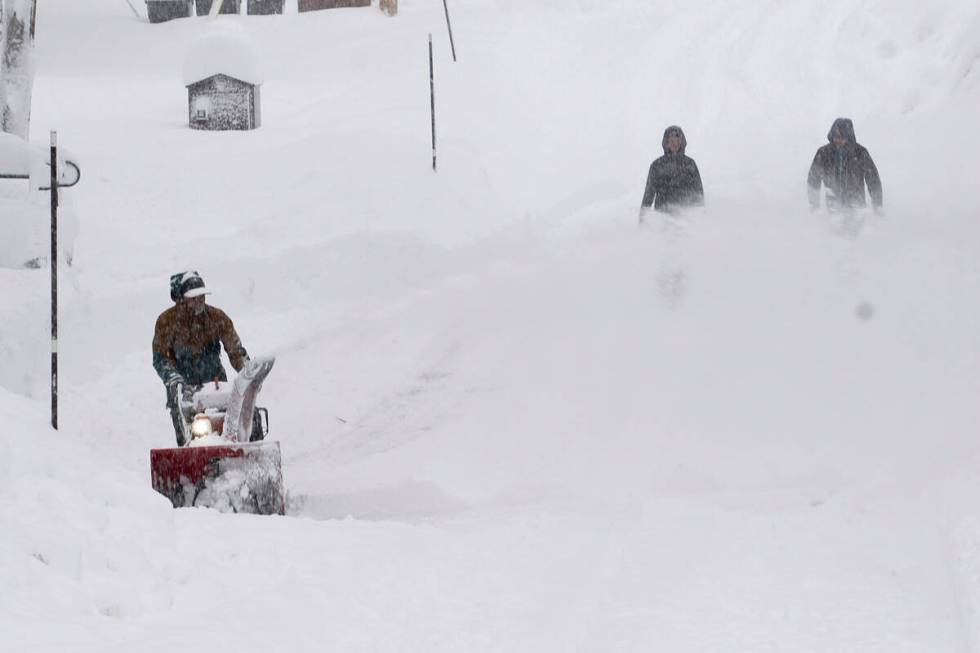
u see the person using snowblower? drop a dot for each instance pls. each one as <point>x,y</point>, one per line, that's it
<point>187,342</point>
<point>844,167</point>
<point>673,181</point>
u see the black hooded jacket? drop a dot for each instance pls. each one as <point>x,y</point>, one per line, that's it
<point>844,170</point>
<point>673,180</point>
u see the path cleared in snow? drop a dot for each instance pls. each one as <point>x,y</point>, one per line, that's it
<point>511,419</point>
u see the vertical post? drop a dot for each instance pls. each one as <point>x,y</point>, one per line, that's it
<point>432,98</point>
<point>3,48</point>
<point>450,26</point>
<point>54,279</point>
<point>135,11</point>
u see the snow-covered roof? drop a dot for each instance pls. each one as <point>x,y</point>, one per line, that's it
<point>223,49</point>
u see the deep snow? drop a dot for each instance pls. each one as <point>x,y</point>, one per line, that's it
<point>511,419</point>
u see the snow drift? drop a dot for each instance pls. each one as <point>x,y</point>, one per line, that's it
<point>513,420</point>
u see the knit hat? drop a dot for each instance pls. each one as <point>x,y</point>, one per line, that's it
<point>187,285</point>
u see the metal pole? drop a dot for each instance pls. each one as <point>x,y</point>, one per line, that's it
<point>432,98</point>
<point>135,12</point>
<point>54,279</point>
<point>450,26</point>
<point>33,18</point>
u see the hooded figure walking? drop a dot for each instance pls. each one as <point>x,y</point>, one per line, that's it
<point>673,181</point>
<point>844,167</point>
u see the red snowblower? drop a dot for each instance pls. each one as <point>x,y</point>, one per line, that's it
<point>226,463</point>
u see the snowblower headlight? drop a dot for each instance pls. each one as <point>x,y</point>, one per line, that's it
<point>201,427</point>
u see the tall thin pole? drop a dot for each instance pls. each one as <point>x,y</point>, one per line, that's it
<point>432,99</point>
<point>33,18</point>
<point>135,12</point>
<point>450,26</point>
<point>54,279</point>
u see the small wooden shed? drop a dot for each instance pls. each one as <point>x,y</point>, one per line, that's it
<point>314,5</point>
<point>223,79</point>
<point>227,7</point>
<point>264,7</point>
<point>160,11</point>
<point>222,102</point>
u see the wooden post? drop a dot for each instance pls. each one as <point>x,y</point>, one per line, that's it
<point>432,98</point>
<point>390,7</point>
<point>54,279</point>
<point>449,26</point>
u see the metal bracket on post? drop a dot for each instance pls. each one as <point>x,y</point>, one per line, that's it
<point>62,184</point>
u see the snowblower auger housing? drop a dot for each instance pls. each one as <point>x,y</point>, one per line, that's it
<point>237,477</point>
<point>225,462</point>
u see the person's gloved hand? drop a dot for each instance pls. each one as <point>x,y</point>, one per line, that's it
<point>173,382</point>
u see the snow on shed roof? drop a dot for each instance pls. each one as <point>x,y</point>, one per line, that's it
<point>223,49</point>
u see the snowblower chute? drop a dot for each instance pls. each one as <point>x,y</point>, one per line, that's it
<point>225,463</point>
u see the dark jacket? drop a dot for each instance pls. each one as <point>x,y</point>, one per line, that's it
<point>673,180</point>
<point>190,345</point>
<point>844,170</point>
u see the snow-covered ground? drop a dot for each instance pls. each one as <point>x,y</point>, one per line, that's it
<point>512,420</point>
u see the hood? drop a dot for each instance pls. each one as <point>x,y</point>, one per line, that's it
<point>674,129</point>
<point>843,127</point>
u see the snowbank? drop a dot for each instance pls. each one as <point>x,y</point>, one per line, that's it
<point>511,420</point>
<point>15,155</point>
